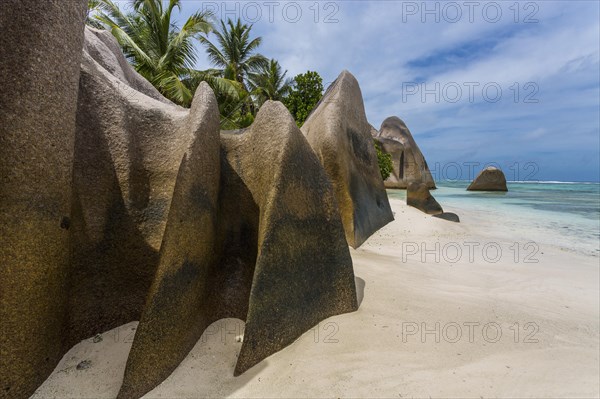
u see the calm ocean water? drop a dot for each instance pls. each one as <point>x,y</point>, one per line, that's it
<point>558,213</point>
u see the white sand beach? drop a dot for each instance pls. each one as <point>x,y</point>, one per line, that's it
<point>506,326</point>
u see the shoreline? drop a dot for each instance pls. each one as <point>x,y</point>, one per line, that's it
<point>425,327</point>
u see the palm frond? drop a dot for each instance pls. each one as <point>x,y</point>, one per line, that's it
<point>233,51</point>
<point>171,86</point>
<point>220,85</point>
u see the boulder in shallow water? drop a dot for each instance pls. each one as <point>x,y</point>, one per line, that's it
<point>489,179</point>
<point>418,196</point>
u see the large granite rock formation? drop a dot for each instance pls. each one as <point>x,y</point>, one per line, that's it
<point>489,179</point>
<point>299,232</point>
<point>408,162</point>
<point>271,252</point>
<point>178,301</point>
<point>338,131</point>
<point>39,72</point>
<point>117,205</point>
<point>128,151</point>
<point>418,196</point>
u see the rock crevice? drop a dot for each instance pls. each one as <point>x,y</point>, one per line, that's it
<point>409,165</point>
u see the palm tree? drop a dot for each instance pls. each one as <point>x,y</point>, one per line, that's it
<point>235,56</point>
<point>93,8</point>
<point>160,51</point>
<point>269,83</point>
<point>236,53</point>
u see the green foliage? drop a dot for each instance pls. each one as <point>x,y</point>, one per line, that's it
<point>235,52</point>
<point>153,44</point>
<point>235,111</point>
<point>307,90</point>
<point>236,60</point>
<point>164,54</point>
<point>384,160</point>
<point>93,9</point>
<point>269,83</point>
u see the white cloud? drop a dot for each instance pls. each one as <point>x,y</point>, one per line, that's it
<point>384,47</point>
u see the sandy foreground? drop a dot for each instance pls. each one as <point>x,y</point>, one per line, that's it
<point>485,312</point>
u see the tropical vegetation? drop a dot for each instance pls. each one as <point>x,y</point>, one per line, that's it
<point>165,53</point>
<point>384,161</point>
<point>160,51</point>
<point>305,93</point>
<point>270,83</point>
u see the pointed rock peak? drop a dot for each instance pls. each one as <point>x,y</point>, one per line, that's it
<point>344,81</point>
<point>204,96</point>
<point>272,106</point>
<point>344,93</point>
<point>394,128</point>
<point>393,120</point>
<point>203,89</point>
<point>338,131</point>
<point>273,112</point>
<point>346,74</point>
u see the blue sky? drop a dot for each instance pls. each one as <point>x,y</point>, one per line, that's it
<point>517,84</point>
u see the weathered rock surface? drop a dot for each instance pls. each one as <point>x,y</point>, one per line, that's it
<point>118,205</point>
<point>489,179</point>
<point>300,233</point>
<point>128,151</point>
<point>338,132</point>
<point>274,254</point>
<point>101,46</point>
<point>418,196</point>
<point>449,216</point>
<point>39,73</point>
<point>408,162</point>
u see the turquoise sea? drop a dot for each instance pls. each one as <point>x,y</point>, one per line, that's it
<point>565,214</point>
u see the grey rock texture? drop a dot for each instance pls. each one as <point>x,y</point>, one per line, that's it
<point>408,162</point>
<point>177,305</point>
<point>227,251</point>
<point>449,216</point>
<point>39,73</point>
<point>128,151</point>
<point>418,196</point>
<point>118,205</point>
<point>299,233</point>
<point>101,46</point>
<point>489,179</point>
<point>338,132</point>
